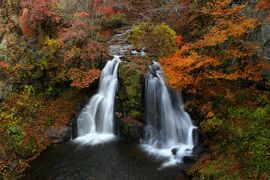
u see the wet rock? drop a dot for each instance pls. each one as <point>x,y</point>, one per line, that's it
<point>174,151</point>
<point>74,129</point>
<point>190,159</point>
<point>131,128</point>
<point>58,135</point>
<point>129,101</point>
<point>197,150</point>
<point>25,153</point>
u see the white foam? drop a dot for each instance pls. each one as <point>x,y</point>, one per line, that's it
<point>169,159</point>
<point>95,138</point>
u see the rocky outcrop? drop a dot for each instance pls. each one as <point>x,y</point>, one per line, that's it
<point>129,106</point>
<point>130,95</point>
<point>58,135</point>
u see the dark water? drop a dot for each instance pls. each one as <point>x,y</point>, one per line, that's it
<point>118,160</point>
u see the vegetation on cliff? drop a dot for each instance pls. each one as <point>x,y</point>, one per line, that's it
<point>216,52</point>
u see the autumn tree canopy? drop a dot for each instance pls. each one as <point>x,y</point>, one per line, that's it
<point>223,52</point>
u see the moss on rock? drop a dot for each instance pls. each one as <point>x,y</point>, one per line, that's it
<point>158,39</point>
<point>129,99</point>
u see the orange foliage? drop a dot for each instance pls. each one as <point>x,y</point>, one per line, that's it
<point>82,14</point>
<point>222,52</point>
<point>263,4</point>
<point>53,114</point>
<point>228,23</point>
<point>26,29</point>
<point>4,65</point>
<point>189,68</point>
<point>179,40</point>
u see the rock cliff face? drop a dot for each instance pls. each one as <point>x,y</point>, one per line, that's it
<point>130,97</point>
<point>129,105</point>
<point>262,33</point>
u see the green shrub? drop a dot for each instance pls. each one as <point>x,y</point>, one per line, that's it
<point>210,172</point>
<point>253,139</point>
<point>240,113</point>
<point>261,114</point>
<point>16,133</point>
<point>263,100</point>
<point>158,39</point>
<point>135,114</point>
<point>115,21</point>
<point>211,125</point>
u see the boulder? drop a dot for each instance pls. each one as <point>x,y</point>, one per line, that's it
<point>58,135</point>
<point>131,128</point>
<point>190,159</point>
<point>13,164</point>
<point>129,101</point>
<point>174,151</point>
<point>197,150</point>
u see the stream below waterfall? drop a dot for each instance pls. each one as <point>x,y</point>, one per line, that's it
<point>116,160</point>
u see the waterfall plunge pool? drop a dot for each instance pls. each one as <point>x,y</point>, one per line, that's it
<point>116,160</point>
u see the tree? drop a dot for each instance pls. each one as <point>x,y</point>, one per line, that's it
<point>158,39</point>
<point>222,53</point>
<point>37,12</point>
<point>82,79</point>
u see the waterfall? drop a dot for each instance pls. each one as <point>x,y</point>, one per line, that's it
<point>169,130</point>
<point>95,122</point>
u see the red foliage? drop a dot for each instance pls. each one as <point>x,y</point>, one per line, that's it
<point>106,10</point>
<point>93,49</point>
<point>4,65</point>
<point>179,40</point>
<point>40,10</point>
<point>106,34</point>
<point>104,7</point>
<point>82,14</point>
<point>82,79</point>
<point>77,31</point>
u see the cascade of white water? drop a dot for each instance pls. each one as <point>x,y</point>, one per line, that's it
<point>95,122</point>
<point>169,130</point>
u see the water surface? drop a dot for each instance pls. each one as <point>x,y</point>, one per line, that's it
<point>119,160</point>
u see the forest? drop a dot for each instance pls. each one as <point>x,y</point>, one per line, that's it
<point>185,85</point>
